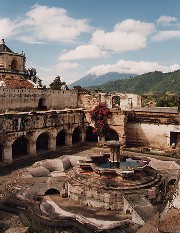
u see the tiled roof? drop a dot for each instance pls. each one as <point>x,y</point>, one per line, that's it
<point>18,83</point>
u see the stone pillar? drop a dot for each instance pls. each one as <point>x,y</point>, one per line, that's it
<point>52,144</point>
<point>32,149</point>
<point>8,154</point>
<point>83,136</point>
<point>69,139</point>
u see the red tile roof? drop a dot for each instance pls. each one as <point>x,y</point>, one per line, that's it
<point>18,83</point>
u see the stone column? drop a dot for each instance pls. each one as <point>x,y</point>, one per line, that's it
<point>52,144</point>
<point>8,154</point>
<point>69,139</point>
<point>83,136</point>
<point>32,149</point>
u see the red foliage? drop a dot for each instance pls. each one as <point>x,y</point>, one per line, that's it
<point>100,115</point>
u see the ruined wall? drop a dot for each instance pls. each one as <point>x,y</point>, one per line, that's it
<point>125,101</point>
<point>151,129</point>
<point>28,99</point>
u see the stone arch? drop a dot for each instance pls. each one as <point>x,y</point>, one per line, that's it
<point>1,152</point>
<point>20,147</point>
<point>42,104</point>
<point>52,191</point>
<point>61,138</point>
<point>76,136</point>
<point>42,142</point>
<point>116,101</point>
<point>111,135</point>
<point>90,136</point>
<point>14,65</point>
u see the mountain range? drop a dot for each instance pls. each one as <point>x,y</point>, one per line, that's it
<point>156,82</point>
<point>94,80</point>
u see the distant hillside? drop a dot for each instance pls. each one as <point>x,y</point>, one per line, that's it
<point>156,82</point>
<point>93,80</point>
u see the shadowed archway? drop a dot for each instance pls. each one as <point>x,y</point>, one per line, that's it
<point>42,143</point>
<point>90,136</point>
<point>61,138</point>
<point>14,65</point>
<point>52,192</point>
<point>111,135</point>
<point>76,136</point>
<point>20,147</point>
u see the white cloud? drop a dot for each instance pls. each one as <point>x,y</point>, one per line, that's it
<point>166,35</point>
<point>43,23</point>
<point>128,35</point>
<point>65,66</point>
<point>132,67</point>
<point>137,26</point>
<point>166,20</point>
<point>7,28</point>
<point>82,52</point>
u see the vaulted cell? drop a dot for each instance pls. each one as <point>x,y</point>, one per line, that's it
<point>42,143</point>
<point>111,135</point>
<point>61,138</point>
<point>76,136</point>
<point>20,147</point>
<point>90,136</point>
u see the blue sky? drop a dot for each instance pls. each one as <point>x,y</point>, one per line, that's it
<point>72,38</point>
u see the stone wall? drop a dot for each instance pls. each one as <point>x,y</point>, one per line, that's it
<point>124,101</point>
<point>28,99</point>
<point>151,128</point>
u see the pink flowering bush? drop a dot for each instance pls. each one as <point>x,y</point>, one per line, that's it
<point>100,115</point>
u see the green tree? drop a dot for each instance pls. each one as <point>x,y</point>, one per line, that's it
<point>57,84</point>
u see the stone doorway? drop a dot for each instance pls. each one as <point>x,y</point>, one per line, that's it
<point>174,138</point>
<point>42,143</point>
<point>61,138</point>
<point>20,147</point>
<point>76,136</point>
<point>111,135</point>
<point>90,136</point>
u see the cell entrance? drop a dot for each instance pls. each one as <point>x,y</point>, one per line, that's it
<point>42,143</point>
<point>76,135</point>
<point>174,138</point>
<point>111,135</point>
<point>61,139</point>
<point>90,136</point>
<point>20,147</point>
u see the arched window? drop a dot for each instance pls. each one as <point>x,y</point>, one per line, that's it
<point>20,147</point>
<point>42,104</point>
<point>115,101</point>
<point>90,136</point>
<point>76,135</point>
<point>111,135</point>
<point>42,143</point>
<point>14,65</point>
<point>61,138</point>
